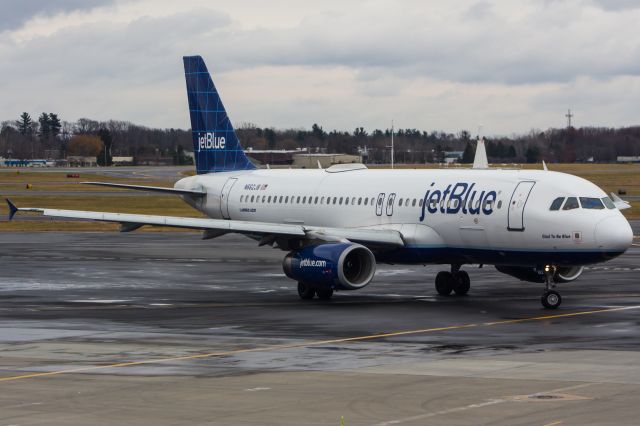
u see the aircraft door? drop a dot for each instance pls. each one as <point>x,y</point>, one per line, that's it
<point>390,201</point>
<point>224,197</point>
<point>515,217</point>
<point>380,204</point>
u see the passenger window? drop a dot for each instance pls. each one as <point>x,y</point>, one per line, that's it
<point>591,203</point>
<point>366,201</point>
<point>340,202</point>
<point>269,199</point>
<point>360,201</point>
<point>298,200</point>
<point>413,204</point>
<point>335,200</point>
<point>241,198</point>
<point>571,203</point>
<point>346,201</point>
<point>421,202</point>
<point>500,204</point>
<point>286,199</point>
<point>555,205</point>
<point>252,198</point>
<point>607,202</point>
<point>400,202</point>
<point>315,201</point>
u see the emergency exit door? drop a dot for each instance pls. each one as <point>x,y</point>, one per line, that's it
<point>515,217</point>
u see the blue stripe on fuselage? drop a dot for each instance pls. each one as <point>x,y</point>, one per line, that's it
<point>442,254</point>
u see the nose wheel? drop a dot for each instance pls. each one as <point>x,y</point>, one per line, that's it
<point>550,299</point>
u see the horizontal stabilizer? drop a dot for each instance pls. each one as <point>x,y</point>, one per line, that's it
<point>12,209</point>
<point>150,188</point>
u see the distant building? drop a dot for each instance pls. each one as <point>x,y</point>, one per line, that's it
<point>274,157</point>
<point>453,156</point>
<point>628,159</point>
<point>81,161</point>
<point>310,161</point>
<point>122,161</point>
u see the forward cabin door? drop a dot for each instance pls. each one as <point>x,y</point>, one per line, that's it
<point>515,218</point>
<point>224,197</point>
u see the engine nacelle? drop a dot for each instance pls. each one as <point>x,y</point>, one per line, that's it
<point>563,274</point>
<point>567,274</point>
<point>336,265</point>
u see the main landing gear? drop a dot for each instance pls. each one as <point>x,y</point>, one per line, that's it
<point>550,299</point>
<point>307,292</point>
<point>456,281</point>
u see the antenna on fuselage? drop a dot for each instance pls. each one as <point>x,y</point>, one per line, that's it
<point>480,160</point>
<point>544,166</point>
<point>319,165</point>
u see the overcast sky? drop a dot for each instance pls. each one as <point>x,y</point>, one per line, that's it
<point>509,66</point>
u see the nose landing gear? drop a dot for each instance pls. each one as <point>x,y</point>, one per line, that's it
<point>550,299</point>
<point>456,281</point>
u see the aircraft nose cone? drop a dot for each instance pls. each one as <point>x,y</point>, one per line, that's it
<point>614,233</point>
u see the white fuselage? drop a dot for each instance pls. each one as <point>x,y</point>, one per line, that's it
<point>477,216</point>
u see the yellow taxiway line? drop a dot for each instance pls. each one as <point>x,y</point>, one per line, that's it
<point>311,343</point>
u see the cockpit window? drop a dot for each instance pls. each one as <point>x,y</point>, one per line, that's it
<point>572,203</point>
<point>591,203</point>
<point>607,202</point>
<point>556,203</point>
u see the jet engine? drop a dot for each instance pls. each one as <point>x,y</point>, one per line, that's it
<point>336,265</point>
<point>562,274</point>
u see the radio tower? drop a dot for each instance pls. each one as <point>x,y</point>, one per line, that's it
<point>569,116</point>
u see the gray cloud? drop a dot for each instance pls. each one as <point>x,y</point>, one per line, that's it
<point>477,60</point>
<point>16,12</point>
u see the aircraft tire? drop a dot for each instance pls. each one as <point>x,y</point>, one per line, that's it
<point>305,291</point>
<point>551,299</point>
<point>324,293</point>
<point>463,283</point>
<point>444,283</point>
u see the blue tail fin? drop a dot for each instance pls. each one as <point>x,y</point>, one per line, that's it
<point>215,145</point>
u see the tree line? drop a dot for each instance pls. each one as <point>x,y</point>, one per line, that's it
<point>51,137</point>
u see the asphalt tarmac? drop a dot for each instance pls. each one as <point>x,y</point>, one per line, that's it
<point>164,328</point>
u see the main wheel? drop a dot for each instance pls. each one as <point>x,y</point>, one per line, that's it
<point>444,283</point>
<point>305,291</point>
<point>463,283</point>
<point>324,293</point>
<point>551,299</point>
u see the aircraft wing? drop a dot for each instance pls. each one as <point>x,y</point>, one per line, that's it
<point>216,227</point>
<point>150,188</point>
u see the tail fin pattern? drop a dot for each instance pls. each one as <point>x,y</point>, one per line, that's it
<point>215,144</point>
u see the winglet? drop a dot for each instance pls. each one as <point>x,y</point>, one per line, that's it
<point>12,209</point>
<point>480,160</point>
<point>619,202</point>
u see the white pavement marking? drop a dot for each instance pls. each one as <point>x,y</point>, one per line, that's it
<point>476,405</point>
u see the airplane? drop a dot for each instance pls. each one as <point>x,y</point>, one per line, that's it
<point>337,223</point>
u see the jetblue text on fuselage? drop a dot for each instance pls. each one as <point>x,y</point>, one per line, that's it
<point>209,140</point>
<point>458,198</point>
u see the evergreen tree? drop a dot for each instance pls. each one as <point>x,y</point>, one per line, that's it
<point>468,154</point>
<point>532,154</point>
<point>54,124</point>
<point>104,158</point>
<point>24,124</point>
<point>44,126</point>
<point>511,152</point>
